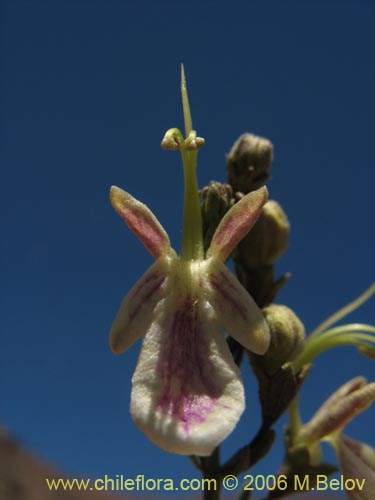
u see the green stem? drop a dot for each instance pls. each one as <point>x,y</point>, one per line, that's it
<point>346,329</point>
<point>294,419</point>
<point>321,344</point>
<point>210,469</point>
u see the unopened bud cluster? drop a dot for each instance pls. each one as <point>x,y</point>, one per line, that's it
<point>248,166</point>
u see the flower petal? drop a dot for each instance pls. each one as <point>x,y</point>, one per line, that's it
<point>136,311</point>
<point>341,408</point>
<point>236,223</point>
<point>236,310</point>
<point>343,391</point>
<point>141,221</point>
<point>187,392</point>
<point>357,461</point>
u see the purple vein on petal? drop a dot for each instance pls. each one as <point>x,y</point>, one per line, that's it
<point>222,288</point>
<point>190,392</point>
<point>147,292</point>
<point>137,309</point>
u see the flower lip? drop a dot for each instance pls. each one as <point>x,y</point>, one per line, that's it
<point>187,391</point>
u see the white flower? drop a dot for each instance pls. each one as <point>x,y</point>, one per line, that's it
<point>187,393</point>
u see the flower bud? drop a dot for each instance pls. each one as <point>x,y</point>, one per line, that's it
<point>268,239</point>
<point>343,405</point>
<point>248,163</point>
<point>287,336</point>
<point>217,199</point>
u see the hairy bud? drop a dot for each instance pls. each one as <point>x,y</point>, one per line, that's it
<point>248,163</point>
<point>268,239</point>
<point>217,199</point>
<point>287,337</point>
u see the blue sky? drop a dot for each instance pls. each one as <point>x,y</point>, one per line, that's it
<point>88,90</point>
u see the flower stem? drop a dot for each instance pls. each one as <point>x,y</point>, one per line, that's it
<point>210,469</point>
<point>328,341</point>
<point>294,419</point>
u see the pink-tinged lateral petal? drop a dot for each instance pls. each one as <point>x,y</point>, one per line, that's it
<point>236,310</point>
<point>342,392</point>
<point>141,221</point>
<point>341,408</point>
<point>136,311</point>
<point>236,223</point>
<point>357,461</point>
<point>187,392</point>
